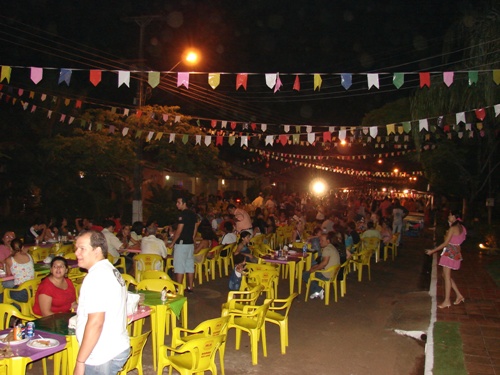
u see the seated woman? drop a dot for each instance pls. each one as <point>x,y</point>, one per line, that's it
<point>56,293</point>
<point>242,247</point>
<point>208,239</point>
<point>21,266</point>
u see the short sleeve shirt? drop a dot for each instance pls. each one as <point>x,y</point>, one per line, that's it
<point>61,299</point>
<point>188,218</point>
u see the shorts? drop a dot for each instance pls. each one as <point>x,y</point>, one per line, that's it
<point>183,258</point>
<point>450,263</point>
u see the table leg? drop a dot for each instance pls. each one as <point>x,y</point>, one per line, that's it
<point>16,365</point>
<point>291,276</point>
<point>300,269</point>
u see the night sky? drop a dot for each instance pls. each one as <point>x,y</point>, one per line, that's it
<point>259,36</point>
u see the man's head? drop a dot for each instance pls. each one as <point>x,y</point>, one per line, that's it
<point>231,208</point>
<point>109,224</point>
<point>91,247</point>
<point>324,240</point>
<point>181,203</point>
<point>151,230</point>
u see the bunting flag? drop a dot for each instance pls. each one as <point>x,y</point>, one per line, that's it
<point>327,137</point>
<point>214,80</point>
<point>95,77</point>
<point>278,84</point>
<point>317,82</point>
<point>346,80</point>
<point>154,79</point>
<point>65,76</point>
<point>36,75</point>
<point>123,78</point>
<point>296,83</point>
<point>372,80</point>
<point>473,77</point>
<point>183,79</point>
<point>241,80</point>
<point>448,78</point>
<point>5,74</point>
<point>425,79</point>
<point>496,76</point>
<point>423,124</point>
<point>271,80</point>
<point>480,113</point>
<point>398,79</point>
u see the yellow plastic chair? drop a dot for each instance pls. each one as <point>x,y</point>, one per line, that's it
<point>8,311</point>
<point>30,287</point>
<point>278,314</point>
<point>214,258</point>
<point>157,285</point>
<point>70,256</point>
<point>371,244</point>
<point>343,282</point>
<point>251,320</point>
<point>134,362</point>
<point>211,327</point>
<point>267,278</point>
<point>144,262</point>
<point>129,279</point>
<point>39,253</point>
<point>120,263</point>
<point>200,262</point>
<point>325,284</point>
<point>63,249</point>
<point>363,259</point>
<point>392,246</point>
<point>195,356</point>
<point>225,257</point>
<point>155,274</point>
<point>236,300</point>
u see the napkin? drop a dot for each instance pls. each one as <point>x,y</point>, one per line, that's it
<point>72,322</point>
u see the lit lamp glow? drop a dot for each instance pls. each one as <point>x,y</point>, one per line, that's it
<point>318,186</point>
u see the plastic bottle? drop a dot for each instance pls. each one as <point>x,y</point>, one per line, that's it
<point>164,296</point>
<point>304,250</point>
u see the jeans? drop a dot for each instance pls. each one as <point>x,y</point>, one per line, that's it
<point>111,367</point>
<point>315,288</point>
<point>398,228</point>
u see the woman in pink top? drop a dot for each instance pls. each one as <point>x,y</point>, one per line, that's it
<point>451,258</point>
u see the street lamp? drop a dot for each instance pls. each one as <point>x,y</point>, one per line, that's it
<point>189,57</point>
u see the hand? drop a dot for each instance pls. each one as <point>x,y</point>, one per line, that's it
<point>79,368</point>
<point>429,252</point>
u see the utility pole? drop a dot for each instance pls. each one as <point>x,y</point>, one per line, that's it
<point>142,22</point>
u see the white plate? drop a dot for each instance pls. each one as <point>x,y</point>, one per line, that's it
<point>12,342</point>
<point>292,252</point>
<point>42,343</point>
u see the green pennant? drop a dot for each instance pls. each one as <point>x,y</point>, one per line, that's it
<point>297,128</point>
<point>473,76</point>
<point>398,79</point>
<point>296,139</point>
<point>185,138</point>
<point>407,126</point>
<point>231,140</point>
<point>83,123</point>
<point>98,126</point>
<point>138,133</point>
<point>198,122</point>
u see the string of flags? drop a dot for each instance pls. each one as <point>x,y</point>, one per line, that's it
<point>218,131</point>
<point>272,80</point>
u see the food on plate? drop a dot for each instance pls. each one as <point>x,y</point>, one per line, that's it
<point>43,342</point>
<point>9,337</point>
<point>6,352</point>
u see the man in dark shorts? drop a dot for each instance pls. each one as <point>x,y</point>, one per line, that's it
<point>184,244</point>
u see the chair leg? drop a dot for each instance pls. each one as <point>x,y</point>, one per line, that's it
<point>327,293</point>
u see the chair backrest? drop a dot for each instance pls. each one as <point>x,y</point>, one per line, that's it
<point>157,285</point>
<point>70,256</point>
<point>215,251</point>
<point>202,351</point>
<point>261,267</point>
<point>370,243</point>
<point>135,360</point>
<point>155,274</point>
<point>129,279</point>
<point>7,311</point>
<point>285,305</point>
<point>65,249</point>
<point>259,313</point>
<point>144,262</point>
<point>264,277</point>
<point>39,253</point>
<point>201,255</point>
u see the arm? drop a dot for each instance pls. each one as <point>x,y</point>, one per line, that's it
<point>177,233</point>
<point>8,265</point>
<point>320,266</point>
<point>91,335</point>
<point>45,303</point>
<point>449,234</point>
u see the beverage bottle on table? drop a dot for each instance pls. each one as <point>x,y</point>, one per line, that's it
<point>304,250</point>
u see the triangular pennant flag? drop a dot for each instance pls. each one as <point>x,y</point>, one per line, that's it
<point>126,111</point>
<point>473,77</point>
<point>398,79</point>
<point>271,80</point>
<point>33,109</point>
<point>407,126</point>
<point>372,80</point>
<point>159,135</point>
<point>125,131</point>
<point>78,104</point>
<point>214,80</point>
<point>197,139</point>
<point>497,109</point>
<point>390,128</point>
<point>480,113</point>
<point>20,92</point>
<point>154,79</point>
<point>295,139</point>
<point>95,76</point>
<point>218,140</point>
<point>63,117</point>
<point>460,117</point>
<point>177,119</point>
<point>138,134</point>
<point>241,80</point>
<point>171,138</point>
<point>308,128</point>
<point>496,76</point>
<point>327,137</point>
<point>423,124</point>
<point>269,140</point>
<point>49,114</point>
<point>71,119</point>
<point>231,140</point>
<point>425,79</point>
<point>185,138</point>
<point>448,78</point>
<point>342,134</point>
<point>36,75</point>
<point>138,114</point>
<point>150,136</point>
<point>64,76</point>
<point>244,141</point>
<point>286,128</point>
<point>213,123</point>
<point>311,138</point>
<point>183,79</point>
<point>296,83</point>
<point>123,78</point>
<point>253,126</point>
<point>233,125</point>
<point>479,126</point>
<point>223,125</point>
<point>373,131</point>
<point>5,74</point>
<point>317,82</point>
<point>346,80</point>
<point>67,102</point>
<point>283,139</point>
<point>278,84</point>
<point>263,127</point>
<point>32,95</point>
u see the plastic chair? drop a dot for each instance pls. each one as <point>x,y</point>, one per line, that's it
<point>70,256</point>
<point>211,327</point>
<point>64,249</point>
<point>225,257</point>
<point>195,356</point>
<point>267,278</point>
<point>392,246</point>
<point>8,311</point>
<point>39,253</point>
<point>251,320</point>
<point>120,263</point>
<point>134,362</point>
<point>215,252</point>
<point>325,284</point>
<point>363,259</point>
<point>371,244</point>
<point>157,285</point>
<point>155,274</point>
<point>278,314</point>
<point>129,279</point>
<point>200,262</point>
<point>144,262</point>
<point>30,287</point>
<point>236,300</point>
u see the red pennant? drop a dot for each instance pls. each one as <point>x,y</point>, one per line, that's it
<point>138,113</point>
<point>446,128</point>
<point>253,126</point>
<point>241,80</point>
<point>233,125</point>
<point>283,139</point>
<point>218,140</point>
<point>95,77</point>
<point>327,137</point>
<point>213,123</point>
<point>296,84</point>
<point>425,79</point>
<point>480,114</point>
<point>78,104</point>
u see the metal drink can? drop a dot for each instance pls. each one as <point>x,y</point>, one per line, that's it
<point>30,329</point>
<point>18,332</point>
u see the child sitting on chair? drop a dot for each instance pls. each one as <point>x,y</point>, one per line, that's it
<point>238,272</point>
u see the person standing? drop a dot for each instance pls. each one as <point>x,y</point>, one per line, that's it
<point>451,258</point>
<point>114,244</point>
<point>398,214</point>
<point>183,241</point>
<point>101,328</point>
<point>242,219</point>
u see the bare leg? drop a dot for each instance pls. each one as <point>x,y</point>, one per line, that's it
<point>190,279</point>
<point>460,297</point>
<point>179,277</point>
<point>447,288</point>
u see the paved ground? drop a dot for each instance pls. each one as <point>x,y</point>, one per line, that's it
<point>353,336</point>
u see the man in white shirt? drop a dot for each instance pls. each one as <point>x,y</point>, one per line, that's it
<point>152,245</point>
<point>114,244</point>
<point>101,327</point>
